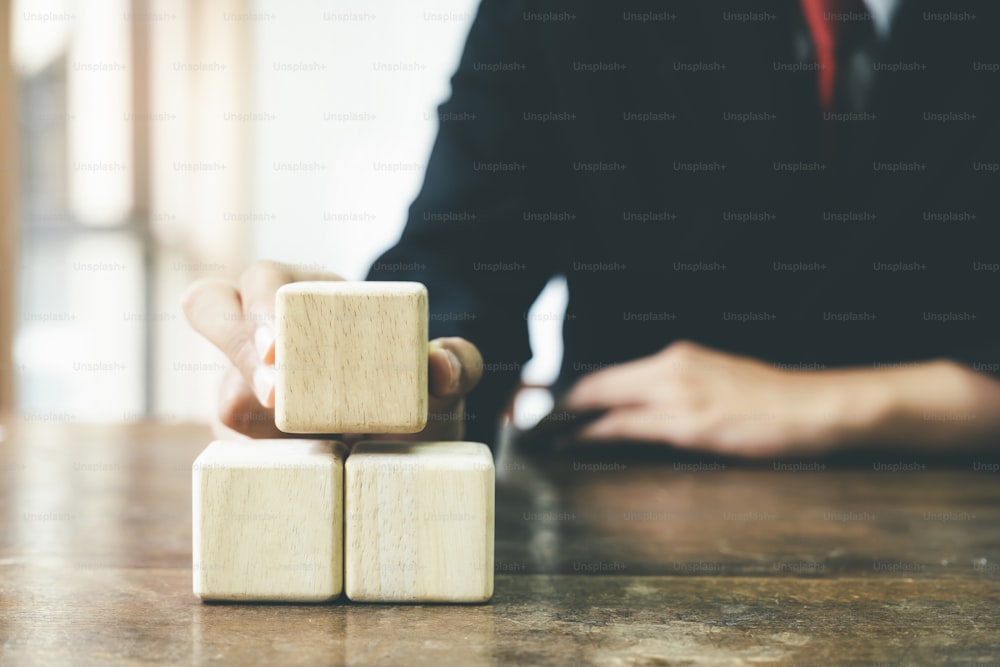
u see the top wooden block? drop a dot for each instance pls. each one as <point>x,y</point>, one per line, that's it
<point>351,357</point>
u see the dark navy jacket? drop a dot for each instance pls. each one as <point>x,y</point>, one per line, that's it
<point>669,160</point>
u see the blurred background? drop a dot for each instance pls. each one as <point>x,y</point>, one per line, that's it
<point>147,143</point>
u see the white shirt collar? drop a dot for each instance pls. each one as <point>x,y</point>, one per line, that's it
<point>882,12</point>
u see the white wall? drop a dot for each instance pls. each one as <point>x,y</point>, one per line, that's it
<point>346,118</point>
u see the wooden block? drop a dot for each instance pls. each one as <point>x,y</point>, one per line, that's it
<point>351,357</point>
<point>268,520</point>
<point>418,522</point>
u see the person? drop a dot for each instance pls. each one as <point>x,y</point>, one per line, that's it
<point>777,227</point>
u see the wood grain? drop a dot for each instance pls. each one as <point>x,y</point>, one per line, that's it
<point>419,522</point>
<point>351,357</point>
<point>95,565</point>
<point>268,520</point>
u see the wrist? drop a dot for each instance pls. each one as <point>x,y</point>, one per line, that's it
<point>917,406</point>
<point>939,403</point>
<point>851,408</point>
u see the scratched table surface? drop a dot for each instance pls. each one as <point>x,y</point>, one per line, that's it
<point>613,559</point>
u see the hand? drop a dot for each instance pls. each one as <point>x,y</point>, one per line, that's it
<point>239,320</point>
<point>694,397</point>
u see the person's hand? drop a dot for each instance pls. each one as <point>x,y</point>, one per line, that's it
<point>239,320</point>
<point>694,397</point>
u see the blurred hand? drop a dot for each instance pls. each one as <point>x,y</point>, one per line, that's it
<point>239,320</point>
<point>694,397</point>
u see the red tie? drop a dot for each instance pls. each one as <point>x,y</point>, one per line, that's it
<point>826,21</point>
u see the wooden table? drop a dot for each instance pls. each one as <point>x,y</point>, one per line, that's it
<point>607,560</point>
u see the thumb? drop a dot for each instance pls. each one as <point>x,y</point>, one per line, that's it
<point>455,366</point>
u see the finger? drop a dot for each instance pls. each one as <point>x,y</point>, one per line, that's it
<point>619,386</point>
<point>215,310</point>
<point>258,286</point>
<point>222,432</point>
<point>455,366</point>
<point>241,412</point>
<point>637,424</point>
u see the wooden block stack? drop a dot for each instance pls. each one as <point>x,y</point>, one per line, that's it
<point>269,516</point>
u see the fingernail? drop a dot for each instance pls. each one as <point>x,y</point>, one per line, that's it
<point>263,384</point>
<point>455,367</point>
<point>263,338</point>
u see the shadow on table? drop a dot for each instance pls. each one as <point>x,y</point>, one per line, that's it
<point>636,509</point>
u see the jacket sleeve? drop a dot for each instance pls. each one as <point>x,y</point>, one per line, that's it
<point>468,236</point>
